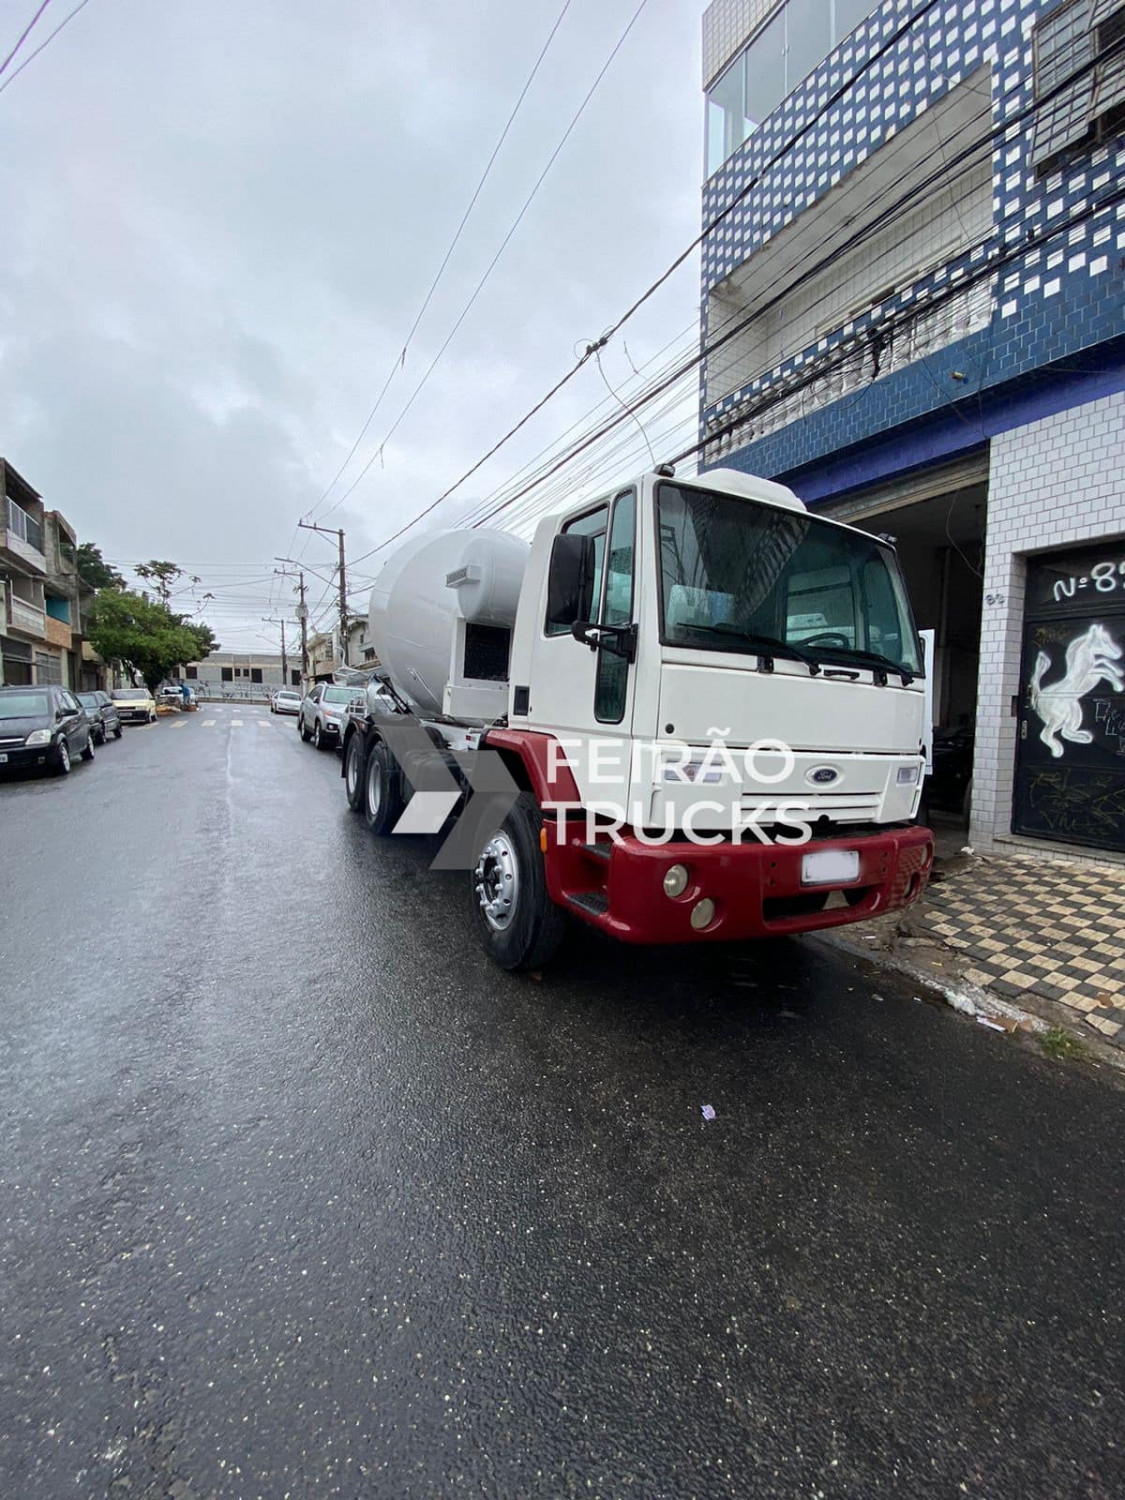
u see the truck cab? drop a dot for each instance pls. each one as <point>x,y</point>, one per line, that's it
<point>710,701</point>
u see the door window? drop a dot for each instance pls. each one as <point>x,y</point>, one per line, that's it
<point>617,609</point>
<point>592,524</point>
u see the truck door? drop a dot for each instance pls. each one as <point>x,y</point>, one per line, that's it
<point>580,691</point>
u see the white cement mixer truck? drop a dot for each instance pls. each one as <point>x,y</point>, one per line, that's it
<point>708,702</point>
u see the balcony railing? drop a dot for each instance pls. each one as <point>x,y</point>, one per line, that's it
<point>26,527</point>
<point>26,617</point>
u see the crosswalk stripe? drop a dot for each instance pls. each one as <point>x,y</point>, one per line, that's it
<point>236,723</point>
<point>207,723</point>
<point>181,725</point>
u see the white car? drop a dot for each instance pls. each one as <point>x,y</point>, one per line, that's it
<point>286,701</point>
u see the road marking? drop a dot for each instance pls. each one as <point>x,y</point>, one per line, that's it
<point>207,723</point>
<point>236,723</point>
<point>262,723</point>
<point>181,725</point>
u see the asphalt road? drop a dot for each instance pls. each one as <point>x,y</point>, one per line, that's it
<point>299,1196</point>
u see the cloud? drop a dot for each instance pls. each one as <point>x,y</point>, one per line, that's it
<point>220,220</point>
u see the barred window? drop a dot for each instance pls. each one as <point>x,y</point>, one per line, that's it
<point>1067,41</point>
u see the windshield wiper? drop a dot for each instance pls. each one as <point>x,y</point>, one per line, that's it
<point>872,658</point>
<point>769,645</point>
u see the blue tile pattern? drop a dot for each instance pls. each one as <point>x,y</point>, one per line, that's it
<point>1063,294</point>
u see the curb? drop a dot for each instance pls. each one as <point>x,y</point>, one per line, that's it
<point>982,1005</point>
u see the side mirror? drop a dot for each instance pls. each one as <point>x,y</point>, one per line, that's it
<point>570,581</point>
<point>62,712</point>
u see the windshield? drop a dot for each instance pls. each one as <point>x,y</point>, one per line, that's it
<point>339,695</point>
<point>736,575</point>
<point>289,697</point>
<point>23,705</point>
<point>130,695</point>
<point>88,700</point>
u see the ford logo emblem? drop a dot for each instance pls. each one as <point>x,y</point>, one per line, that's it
<point>823,775</point>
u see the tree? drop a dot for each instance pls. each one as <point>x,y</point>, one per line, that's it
<point>94,570</point>
<point>145,634</point>
<point>162,575</point>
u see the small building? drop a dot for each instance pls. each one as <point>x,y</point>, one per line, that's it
<point>239,674</point>
<point>43,602</point>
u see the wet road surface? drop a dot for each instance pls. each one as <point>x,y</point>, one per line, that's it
<point>301,1196</point>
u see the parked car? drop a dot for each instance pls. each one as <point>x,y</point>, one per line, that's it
<point>171,694</point>
<point>322,714</point>
<point>135,705</point>
<point>286,701</point>
<point>103,711</point>
<point>43,727</point>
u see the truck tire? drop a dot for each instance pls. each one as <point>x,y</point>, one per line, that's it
<point>353,773</point>
<point>520,926</point>
<point>382,792</point>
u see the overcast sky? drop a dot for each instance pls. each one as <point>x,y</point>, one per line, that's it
<point>219,222</point>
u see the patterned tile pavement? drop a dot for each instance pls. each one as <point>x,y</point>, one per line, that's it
<point>1027,927</point>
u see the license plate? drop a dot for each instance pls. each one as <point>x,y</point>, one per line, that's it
<point>830,867</point>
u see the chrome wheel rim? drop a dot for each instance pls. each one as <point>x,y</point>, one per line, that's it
<point>374,787</point>
<point>64,756</point>
<point>496,878</point>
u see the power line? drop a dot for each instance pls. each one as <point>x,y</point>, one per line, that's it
<point>400,360</point>
<point>23,36</point>
<point>30,58</point>
<point>495,259</point>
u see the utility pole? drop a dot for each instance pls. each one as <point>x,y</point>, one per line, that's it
<point>339,534</point>
<point>272,620</point>
<point>302,615</point>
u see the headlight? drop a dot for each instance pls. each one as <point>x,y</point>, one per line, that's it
<point>907,775</point>
<point>38,737</point>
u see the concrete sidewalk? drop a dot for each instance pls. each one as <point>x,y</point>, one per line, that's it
<point>1029,930</point>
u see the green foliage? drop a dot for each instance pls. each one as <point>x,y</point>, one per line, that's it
<point>94,570</point>
<point>1062,1044</point>
<point>145,634</point>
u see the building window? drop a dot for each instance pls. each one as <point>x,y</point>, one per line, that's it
<point>295,678</point>
<point>782,53</point>
<point>225,673</point>
<point>1066,42</point>
<point>255,674</point>
<point>48,668</point>
<point>191,673</point>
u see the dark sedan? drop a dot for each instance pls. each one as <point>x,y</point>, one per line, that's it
<point>43,728</point>
<point>102,709</point>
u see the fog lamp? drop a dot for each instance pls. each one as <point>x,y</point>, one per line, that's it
<point>703,914</point>
<point>907,775</point>
<point>675,880</point>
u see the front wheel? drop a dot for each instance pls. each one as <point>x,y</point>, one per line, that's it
<point>62,759</point>
<point>318,736</point>
<point>382,794</point>
<point>117,730</point>
<point>88,751</point>
<point>520,926</point>
<point>353,773</point>
<point>302,730</point>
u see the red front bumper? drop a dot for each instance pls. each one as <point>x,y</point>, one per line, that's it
<point>756,888</point>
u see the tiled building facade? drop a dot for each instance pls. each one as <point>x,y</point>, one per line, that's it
<point>913,287</point>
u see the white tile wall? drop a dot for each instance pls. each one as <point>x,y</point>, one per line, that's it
<point>1054,483</point>
<point>726,26</point>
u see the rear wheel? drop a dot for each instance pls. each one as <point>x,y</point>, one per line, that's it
<point>520,926</point>
<point>382,794</point>
<point>353,773</point>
